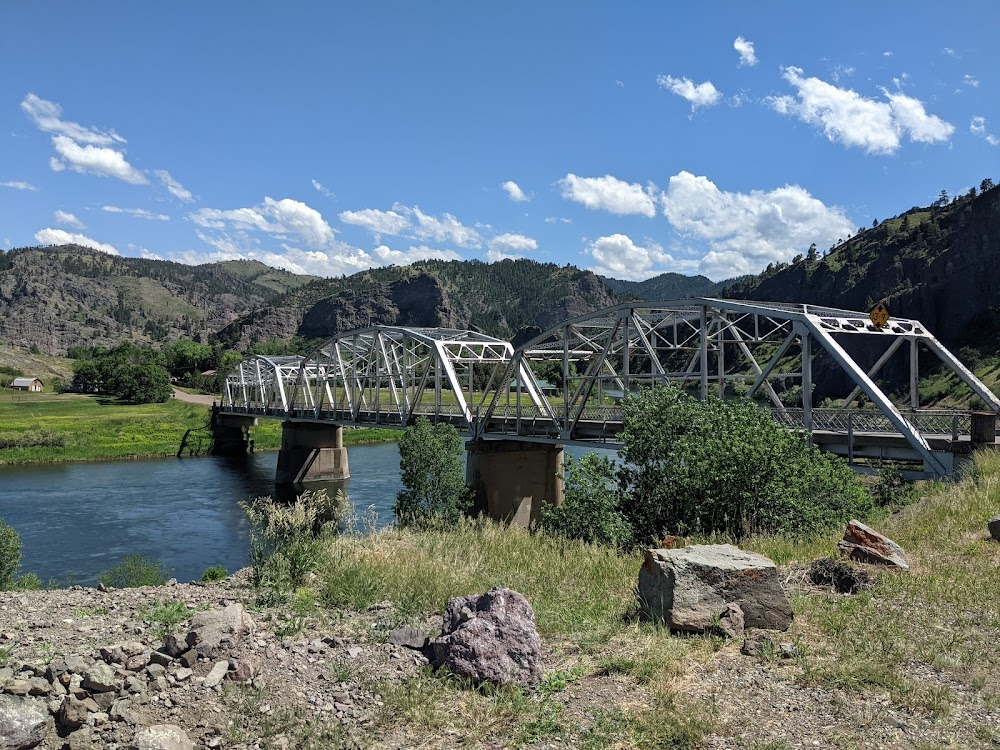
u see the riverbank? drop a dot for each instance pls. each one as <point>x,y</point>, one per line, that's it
<point>51,428</point>
<point>908,663</point>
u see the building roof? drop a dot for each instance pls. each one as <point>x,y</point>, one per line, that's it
<point>24,382</point>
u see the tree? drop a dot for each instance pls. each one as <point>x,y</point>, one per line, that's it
<point>811,255</point>
<point>985,185</point>
<point>10,556</point>
<point>128,372</point>
<point>725,467</point>
<point>590,508</point>
<point>434,489</point>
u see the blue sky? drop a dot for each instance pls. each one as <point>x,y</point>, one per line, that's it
<point>630,138</point>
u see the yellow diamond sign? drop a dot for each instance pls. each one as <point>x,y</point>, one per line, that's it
<point>879,316</point>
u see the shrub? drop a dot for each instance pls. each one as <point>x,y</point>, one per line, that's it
<point>434,489</point>
<point>135,571</point>
<point>286,539</point>
<point>590,506</point>
<point>726,467</point>
<point>213,573</point>
<point>10,556</point>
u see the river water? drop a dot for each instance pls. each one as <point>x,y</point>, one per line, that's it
<point>77,519</point>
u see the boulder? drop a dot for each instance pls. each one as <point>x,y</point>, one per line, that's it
<point>864,544</point>
<point>100,678</point>
<point>490,638</point>
<point>408,637</point>
<point>218,629</point>
<point>162,737</point>
<point>24,722</point>
<point>690,588</point>
<point>994,526</point>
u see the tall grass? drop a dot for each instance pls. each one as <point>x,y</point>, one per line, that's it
<point>572,586</point>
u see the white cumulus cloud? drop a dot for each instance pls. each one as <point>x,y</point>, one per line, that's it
<point>19,185</point>
<point>700,94</point>
<point>744,232</point>
<point>745,49</point>
<point>51,236</point>
<point>610,194</point>
<point>64,217</point>
<point>514,192</point>
<point>978,127</point>
<point>618,256</point>
<point>99,160</point>
<point>388,256</point>
<point>848,118</point>
<point>173,186</point>
<point>139,213</point>
<point>375,221</point>
<point>276,217</point>
<point>509,246</point>
<point>48,117</point>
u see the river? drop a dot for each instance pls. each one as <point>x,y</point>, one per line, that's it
<point>77,519</point>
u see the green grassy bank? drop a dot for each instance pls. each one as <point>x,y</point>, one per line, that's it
<point>47,427</point>
<point>918,650</point>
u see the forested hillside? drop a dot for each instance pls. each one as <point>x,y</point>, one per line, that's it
<point>57,297</point>
<point>668,286</point>
<point>512,299</point>
<point>939,264</point>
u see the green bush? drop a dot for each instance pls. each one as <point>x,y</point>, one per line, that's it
<point>590,506</point>
<point>286,539</point>
<point>135,571</point>
<point>726,467</point>
<point>213,573</point>
<point>10,556</point>
<point>434,489</point>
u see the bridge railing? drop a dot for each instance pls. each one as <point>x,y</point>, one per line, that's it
<point>926,421</point>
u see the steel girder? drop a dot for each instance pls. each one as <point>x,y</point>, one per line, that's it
<point>706,345</point>
<point>259,384</point>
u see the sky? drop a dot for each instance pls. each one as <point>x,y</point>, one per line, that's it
<point>628,138</point>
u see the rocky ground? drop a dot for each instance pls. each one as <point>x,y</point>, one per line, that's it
<point>109,669</point>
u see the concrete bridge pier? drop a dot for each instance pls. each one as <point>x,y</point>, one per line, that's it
<point>230,433</point>
<point>311,453</point>
<point>514,479</point>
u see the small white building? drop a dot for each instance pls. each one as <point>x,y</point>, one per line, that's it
<point>27,384</point>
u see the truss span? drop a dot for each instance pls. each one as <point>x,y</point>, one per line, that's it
<point>383,375</point>
<point>566,385</point>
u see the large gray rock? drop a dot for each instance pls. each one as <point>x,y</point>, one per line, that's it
<point>24,722</point>
<point>491,638</point>
<point>163,737</point>
<point>994,526</point>
<point>219,630</point>
<point>690,588</point>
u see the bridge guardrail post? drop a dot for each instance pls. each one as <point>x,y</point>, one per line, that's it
<point>850,437</point>
<point>954,428</point>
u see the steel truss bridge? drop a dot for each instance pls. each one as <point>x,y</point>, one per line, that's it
<point>387,376</point>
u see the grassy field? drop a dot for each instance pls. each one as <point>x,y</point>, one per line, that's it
<point>46,427</point>
<point>909,663</point>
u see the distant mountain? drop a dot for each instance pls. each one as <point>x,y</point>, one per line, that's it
<point>512,299</point>
<point>668,286</point>
<point>57,297</point>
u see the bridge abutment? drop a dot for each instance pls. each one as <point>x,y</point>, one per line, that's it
<point>311,453</point>
<point>230,433</point>
<point>513,479</point>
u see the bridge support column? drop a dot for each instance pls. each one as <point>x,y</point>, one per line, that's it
<point>311,453</point>
<point>513,479</point>
<point>230,433</point>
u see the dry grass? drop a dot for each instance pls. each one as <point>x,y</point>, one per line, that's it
<point>919,649</point>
